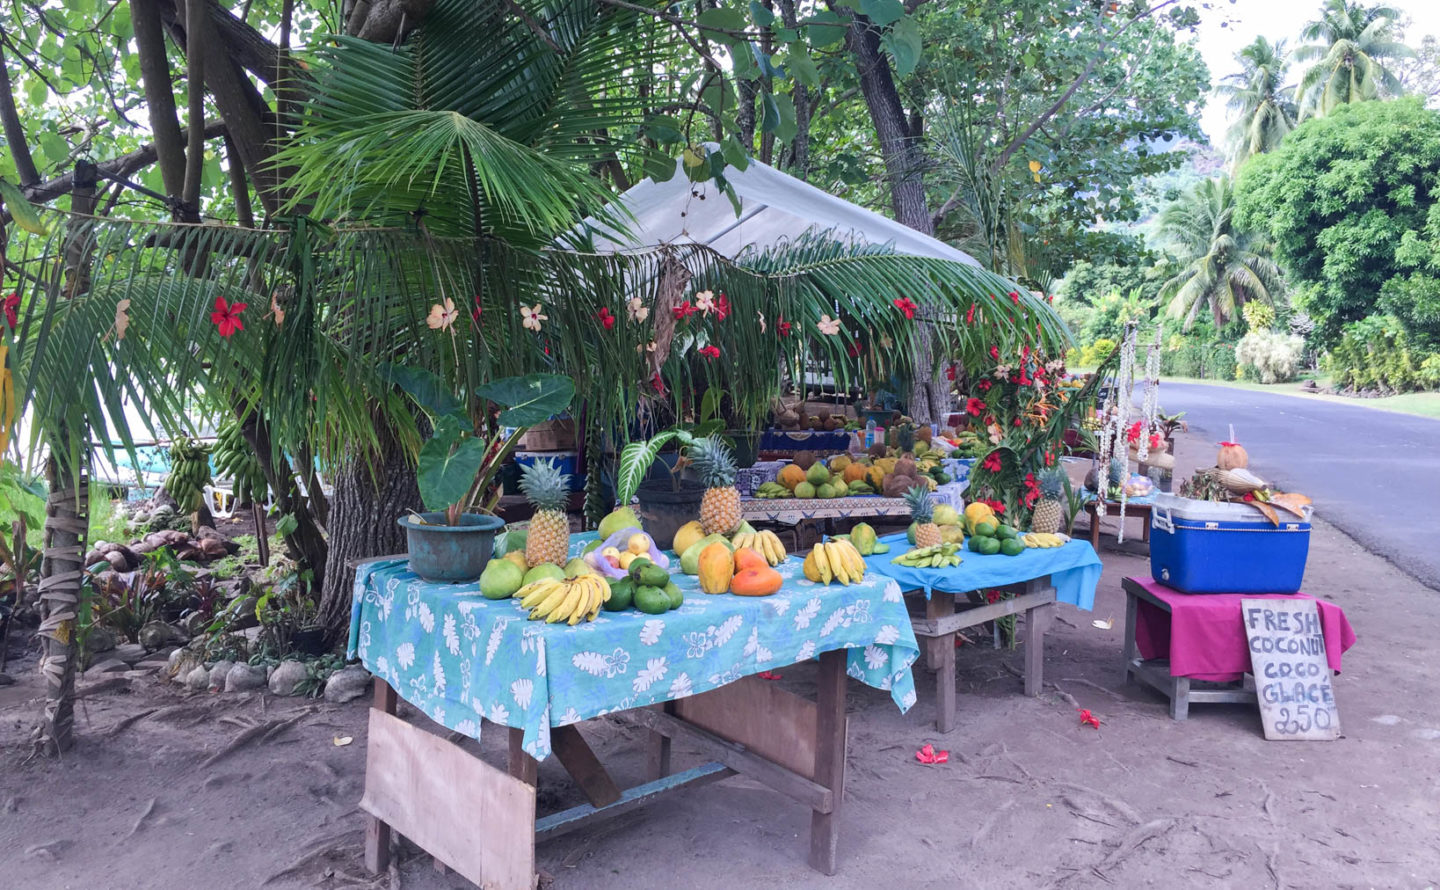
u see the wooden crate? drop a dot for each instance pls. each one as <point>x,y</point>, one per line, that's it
<point>551,435</point>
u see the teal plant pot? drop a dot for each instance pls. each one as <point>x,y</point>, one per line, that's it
<point>450,554</point>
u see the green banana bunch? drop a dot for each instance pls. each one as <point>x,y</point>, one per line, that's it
<point>938,557</point>
<point>189,473</point>
<point>234,459</point>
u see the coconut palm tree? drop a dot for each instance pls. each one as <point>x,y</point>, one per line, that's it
<point>1263,102</point>
<point>1222,268</point>
<point>1350,44</point>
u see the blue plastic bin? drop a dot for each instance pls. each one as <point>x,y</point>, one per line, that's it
<point>1208,547</point>
<point>567,461</point>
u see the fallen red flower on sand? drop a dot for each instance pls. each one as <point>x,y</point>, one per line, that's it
<point>1088,719</point>
<point>769,675</point>
<point>928,754</point>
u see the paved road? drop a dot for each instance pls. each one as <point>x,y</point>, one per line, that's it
<point>1374,474</point>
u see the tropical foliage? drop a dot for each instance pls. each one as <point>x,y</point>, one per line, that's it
<point>1222,265</point>
<point>1351,45</point>
<point>1264,105</point>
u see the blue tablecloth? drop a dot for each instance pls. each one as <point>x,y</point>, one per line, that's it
<point>1074,570</point>
<point>459,657</point>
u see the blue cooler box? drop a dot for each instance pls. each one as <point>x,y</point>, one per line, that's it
<point>1209,547</point>
<point>568,463</point>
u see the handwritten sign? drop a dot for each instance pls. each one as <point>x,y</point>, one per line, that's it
<point>1292,675</point>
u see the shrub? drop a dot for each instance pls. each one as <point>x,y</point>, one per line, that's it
<point>1275,357</point>
<point>1259,316</point>
<point>1092,355</point>
<point>1375,353</point>
<point>1430,372</point>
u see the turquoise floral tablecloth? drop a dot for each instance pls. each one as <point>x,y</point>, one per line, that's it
<point>1074,570</point>
<point>459,657</point>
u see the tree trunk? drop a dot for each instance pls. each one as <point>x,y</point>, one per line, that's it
<point>66,521</point>
<point>306,543</point>
<point>905,166</point>
<point>369,496</point>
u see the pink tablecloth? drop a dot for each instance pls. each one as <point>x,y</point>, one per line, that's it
<point>1203,635</point>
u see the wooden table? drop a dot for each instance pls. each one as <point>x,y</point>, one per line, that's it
<point>1137,511</point>
<point>480,820</point>
<point>945,616</point>
<point>1155,673</point>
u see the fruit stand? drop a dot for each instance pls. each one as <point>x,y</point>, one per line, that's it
<point>465,660</point>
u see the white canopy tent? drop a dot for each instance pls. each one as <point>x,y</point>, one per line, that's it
<point>774,207</point>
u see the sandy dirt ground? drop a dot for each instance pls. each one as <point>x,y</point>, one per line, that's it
<point>168,789</point>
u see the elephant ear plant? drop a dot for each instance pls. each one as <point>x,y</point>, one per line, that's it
<point>467,447</point>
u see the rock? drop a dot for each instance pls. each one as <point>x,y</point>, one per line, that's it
<point>100,639</point>
<point>244,612</point>
<point>117,561</point>
<point>180,663</point>
<point>218,672</point>
<point>195,623</point>
<point>190,554</point>
<point>198,679</point>
<point>107,666</point>
<point>130,652</point>
<point>160,661</point>
<point>92,557</point>
<point>206,533</point>
<point>212,548</point>
<point>156,634</point>
<point>286,676</point>
<point>347,684</point>
<point>132,559</point>
<point>244,677</point>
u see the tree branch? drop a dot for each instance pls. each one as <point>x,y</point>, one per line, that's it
<point>159,94</point>
<point>15,130</point>
<point>195,110</point>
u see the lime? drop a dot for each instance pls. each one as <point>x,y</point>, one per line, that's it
<point>622,594</point>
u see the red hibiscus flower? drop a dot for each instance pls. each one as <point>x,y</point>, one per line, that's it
<point>990,420</point>
<point>1132,435</point>
<point>475,311</point>
<point>607,319</point>
<point>227,316</point>
<point>683,311</point>
<point>1049,459</point>
<point>1015,298</point>
<point>722,307</point>
<point>1018,421</point>
<point>974,407</point>
<point>995,353</point>
<point>854,350</point>
<point>1155,441</point>
<point>710,352</point>
<point>970,316</point>
<point>12,309</point>
<point>657,383</point>
<point>907,306</point>
<point>950,373</point>
<point>984,385</point>
<point>1088,719</point>
<point>991,462</point>
<point>996,506</point>
<point>783,327</point>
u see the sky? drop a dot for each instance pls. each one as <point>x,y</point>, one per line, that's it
<point>1246,19</point>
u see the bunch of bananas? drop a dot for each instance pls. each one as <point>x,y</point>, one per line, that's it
<point>235,460</point>
<point>837,560</point>
<point>766,543</point>
<point>189,473</point>
<point>1044,540</point>
<point>773,490</point>
<point>571,600</point>
<point>938,557</point>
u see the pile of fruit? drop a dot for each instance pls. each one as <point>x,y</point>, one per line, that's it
<point>646,587</point>
<point>570,600</point>
<point>864,539</point>
<point>939,556</point>
<point>888,470</point>
<point>189,473</point>
<point>987,539</point>
<point>1044,540</point>
<point>834,561</point>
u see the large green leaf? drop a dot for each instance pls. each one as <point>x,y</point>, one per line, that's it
<point>21,210</point>
<point>445,474</point>
<point>636,458</point>
<point>425,387</point>
<point>531,399</point>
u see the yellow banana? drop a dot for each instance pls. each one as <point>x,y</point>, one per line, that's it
<point>822,563</point>
<point>574,593</point>
<point>776,549</point>
<point>857,563</point>
<point>532,594</point>
<point>837,562</point>
<point>589,598</point>
<point>550,603</point>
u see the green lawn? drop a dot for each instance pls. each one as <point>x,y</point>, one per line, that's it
<point>1422,404</point>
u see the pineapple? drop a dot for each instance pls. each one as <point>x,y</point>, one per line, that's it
<point>720,510</point>
<point>1048,510</point>
<point>547,489</point>
<point>927,533</point>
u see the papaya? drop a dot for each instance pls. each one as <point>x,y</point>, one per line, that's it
<point>716,568</point>
<point>746,558</point>
<point>791,476</point>
<point>805,491</point>
<point>854,473</point>
<point>825,491</point>
<point>876,477</point>
<point>690,559</point>
<point>756,581</point>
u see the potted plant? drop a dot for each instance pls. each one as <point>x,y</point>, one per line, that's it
<point>670,501</point>
<point>452,540</point>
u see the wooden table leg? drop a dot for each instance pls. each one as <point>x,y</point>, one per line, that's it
<point>829,759</point>
<point>377,832</point>
<point>945,687</point>
<point>1179,698</point>
<point>521,765</point>
<point>1132,607</point>
<point>1145,527</point>
<point>657,750</point>
<point>939,605</point>
<point>1037,620</point>
<point>1094,526</point>
<point>584,767</point>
